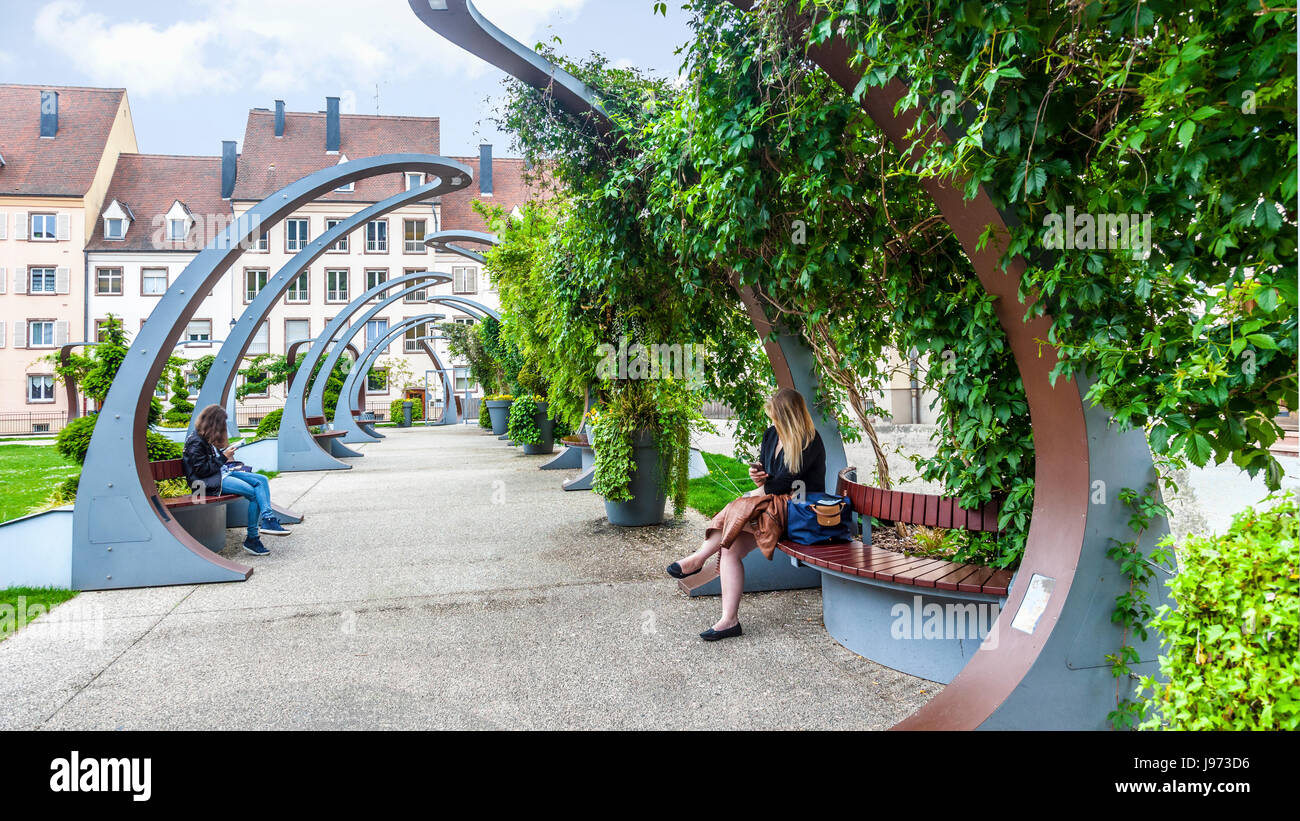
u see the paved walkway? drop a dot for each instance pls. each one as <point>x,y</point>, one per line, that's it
<point>413,597</point>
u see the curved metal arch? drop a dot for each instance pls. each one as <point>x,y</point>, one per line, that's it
<point>296,447</point>
<point>70,384</point>
<point>355,381</point>
<point>221,378</point>
<point>468,305</point>
<point>446,241</point>
<point>1018,677</point>
<point>122,534</point>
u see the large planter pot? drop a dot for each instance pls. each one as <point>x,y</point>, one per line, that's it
<point>547,426</point>
<point>499,411</point>
<point>648,495</point>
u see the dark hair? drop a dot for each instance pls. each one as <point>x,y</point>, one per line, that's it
<point>211,426</point>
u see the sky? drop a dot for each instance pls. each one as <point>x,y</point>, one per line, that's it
<point>193,68</point>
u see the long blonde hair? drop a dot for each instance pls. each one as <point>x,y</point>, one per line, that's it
<point>211,426</point>
<point>794,425</point>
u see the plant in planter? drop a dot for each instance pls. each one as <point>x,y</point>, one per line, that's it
<point>642,442</point>
<point>530,425</point>
<point>395,410</point>
<point>498,405</point>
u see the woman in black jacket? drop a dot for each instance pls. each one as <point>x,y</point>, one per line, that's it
<point>792,460</point>
<point>207,462</point>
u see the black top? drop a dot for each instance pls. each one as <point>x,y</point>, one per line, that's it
<point>779,477</point>
<point>202,463</point>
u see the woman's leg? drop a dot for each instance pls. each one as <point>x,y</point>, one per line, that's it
<point>234,483</point>
<point>262,487</point>
<point>708,547</point>
<point>732,571</point>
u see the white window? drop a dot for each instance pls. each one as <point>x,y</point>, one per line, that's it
<point>377,237</point>
<point>295,234</point>
<point>464,279</point>
<point>413,233</point>
<point>153,281</point>
<point>375,330</point>
<point>422,295</point>
<point>114,228</point>
<point>298,289</point>
<point>40,333</point>
<point>44,227</point>
<point>108,281</point>
<point>414,180</point>
<point>336,285</point>
<point>463,320</point>
<point>296,330</point>
<point>375,277</point>
<point>254,282</point>
<point>463,385</point>
<point>199,330</point>
<point>40,389</point>
<point>340,247</point>
<point>40,280</point>
<point>410,341</point>
<point>177,229</point>
<point>263,242</point>
<point>261,341</point>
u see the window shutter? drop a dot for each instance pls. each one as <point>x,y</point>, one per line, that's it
<point>61,280</point>
<point>2,334</point>
<point>60,333</point>
<point>20,334</point>
<point>20,282</point>
<point>64,229</point>
<point>4,276</point>
<point>471,279</point>
<point>20,225</point>
<point>4,224</point>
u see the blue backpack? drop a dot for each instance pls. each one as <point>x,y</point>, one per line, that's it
<point>820,519</point>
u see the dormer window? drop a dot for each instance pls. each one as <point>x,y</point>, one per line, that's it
<point>414,180</point>
<point>116,219</point>
<point>178,222</point>
<point>350,187</point>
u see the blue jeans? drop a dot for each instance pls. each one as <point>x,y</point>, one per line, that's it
<point>256,489</point>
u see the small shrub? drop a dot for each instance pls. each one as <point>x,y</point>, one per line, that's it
<point>74,440</point>
<point>161,449</point>
<point>395,410</point>
<point>523,428</point>
<point>270,424</point>
<point>484,418</point>
<point>1230,646</point>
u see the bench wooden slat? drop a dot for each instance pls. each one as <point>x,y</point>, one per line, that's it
<point>945,512</point>
<point>952,582</point>
<point>997,584</point>
<point>315,420</point>
<point>974,583</point>
<point>907,574</point>
<point>932,578</point>
<point>931,511</point>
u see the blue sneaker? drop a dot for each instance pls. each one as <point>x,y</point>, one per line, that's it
<point>254,545</point>
<point>271,526</point>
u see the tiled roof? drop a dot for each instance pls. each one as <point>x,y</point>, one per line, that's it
<point>268,163</point>
<point>66,164</point>
<point>148,184</point>
<point>509,189</point>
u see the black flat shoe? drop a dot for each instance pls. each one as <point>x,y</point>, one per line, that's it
<point>675,570</point>
<point>715,635</point>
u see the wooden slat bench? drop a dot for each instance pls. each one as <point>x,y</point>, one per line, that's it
<point>175,469</point>
<point>869,562</point>
<point>324,436</point>
<point>204,517</point>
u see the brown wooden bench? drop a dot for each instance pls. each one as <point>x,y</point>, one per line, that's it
<point>323,436</point>
<point>175,469</point>
<point>868,562</point>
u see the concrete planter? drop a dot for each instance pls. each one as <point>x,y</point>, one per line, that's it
<point>547,426</point>
<point>499,411</point>
<point>648,495</point>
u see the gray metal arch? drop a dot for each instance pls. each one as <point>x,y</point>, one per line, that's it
<point>446,241</point>
<point>221,378</point>
<point>122,534</point>
<point>297,448</point>
<point>349,396</point>
<point>466,305</point>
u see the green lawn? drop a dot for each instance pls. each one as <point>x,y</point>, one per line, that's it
<point>30,599</point>
<point>728,478</point>
<point>28,474</point>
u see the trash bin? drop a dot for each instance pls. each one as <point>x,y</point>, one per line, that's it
<point>406,415</point>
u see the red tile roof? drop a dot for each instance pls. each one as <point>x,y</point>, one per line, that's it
<point>509,189</point>
<point>149,184</point>
<point>268,163</point>
<point>66,164</point>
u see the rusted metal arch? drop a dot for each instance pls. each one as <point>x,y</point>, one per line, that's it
<point>221,379</point>
<point>122,534</point>
<point>1047,670</point>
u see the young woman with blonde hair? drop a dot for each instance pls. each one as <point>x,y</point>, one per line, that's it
<point>792,452</point>
<point>207,458</point>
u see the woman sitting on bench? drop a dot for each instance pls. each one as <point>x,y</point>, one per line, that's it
<point>791,452</point>
<point>207,462</point>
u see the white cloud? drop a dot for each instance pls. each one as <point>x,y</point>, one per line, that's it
<point>275,47</point>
